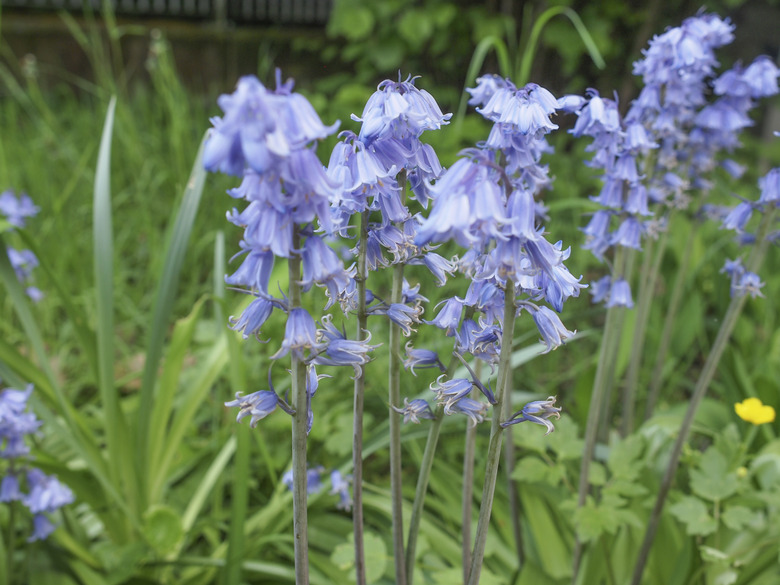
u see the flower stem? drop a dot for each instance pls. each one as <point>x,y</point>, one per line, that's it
<point>702,384</point>
<point>648,279</point>
<point>509,465</point>
<point>494,447</point>
<point>394,399</point>
<point>601,383</point>
<point>468,493</point>
<point>357,434</point>
<point>299,429</point>
<point>425,473</point>
<point>656,379</point>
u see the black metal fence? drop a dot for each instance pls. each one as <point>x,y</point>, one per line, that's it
<point>292,12</point>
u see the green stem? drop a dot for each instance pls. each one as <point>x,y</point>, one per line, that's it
<point>702,384</point>
<point>357,434</point>
<point>656,379</point>
<point>467,505</point>
<point>299,431</point>
<point>394,399</point>
<point>494,447</point>
<point>648,279</point>
<point>624,266</point>
<point>601,383</point>
<point>509,466</point>
<point>11,543</point>
<point>425,473</point>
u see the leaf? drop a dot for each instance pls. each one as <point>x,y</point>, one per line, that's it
<point>736,517</point>
<point>565,441</point>
<point>589,521</point>
<point>343,556</point>
<point>163,529</point>
<point>597,474</point>
<point>625,458</point>
<point>693,513</point>
<point>712,480</point>
<point>530,470</point>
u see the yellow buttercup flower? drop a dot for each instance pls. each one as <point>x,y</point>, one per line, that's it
<point>754,411</point>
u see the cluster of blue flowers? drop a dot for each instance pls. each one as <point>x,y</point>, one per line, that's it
<point>669,140</point>
<point>486,202</point>
<point>16,210</point>
<point>41,494</point>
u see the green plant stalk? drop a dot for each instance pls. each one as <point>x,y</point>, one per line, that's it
<point>299,429</point>
<point>468,493</point>
<point>422,487</point>
<point>394,399</point>
<point>656,379</point>
<point>424,473</point>
<point>357,433</point>
<point>494,447</point>
<point>624,263</point>
<point>612,333</point>
<point>648,279</point>
<point>509,466</point>
<point>702,384</point>
<point>11,540</point>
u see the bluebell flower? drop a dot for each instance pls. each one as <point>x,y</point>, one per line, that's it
<point>421,358</point>
<point>738,217</point>
<point>770,188</point>
<point>9,488</point>
<point>339,485</point>
<point>414,410</point>
<point>451,390</point>
<point>42,528</point>
<point>539,412</point>
<point>17,209</point>
<point>448,317</point>
<point>550,328</point>
<point>402,315</point>
<point>253,317</point>
<point>340,351</point>
<point>260,126</point>
<point>474,409</point>
<point>313,479</point>
<point>300,334</point>
<point>487,85</point>
<point>46,492</point>
<point>258,405</point>
<point>620,294</point>
<point>399,109</point>
<point>742,281</point>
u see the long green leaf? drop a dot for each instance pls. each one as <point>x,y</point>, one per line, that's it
<point>120,453</point>
<point>191,400</point>
<point>165,297</point>
<point>521,77</point>
<point>180,344</point>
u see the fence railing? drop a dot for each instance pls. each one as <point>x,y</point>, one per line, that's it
<point>292,12</point>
